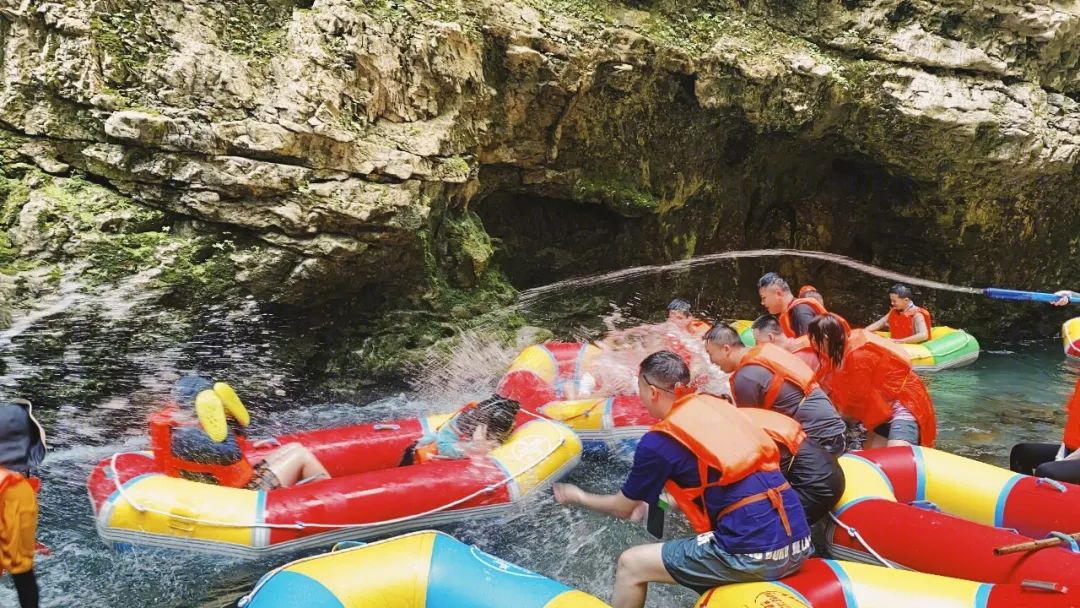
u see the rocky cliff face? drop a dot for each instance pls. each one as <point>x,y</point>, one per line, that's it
<point>367,151</point>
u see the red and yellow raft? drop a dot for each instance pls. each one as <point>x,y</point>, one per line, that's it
<point>926,510</point>
<point>368,495</point>
<point>1070,337</point>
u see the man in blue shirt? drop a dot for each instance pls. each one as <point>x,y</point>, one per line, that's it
<point>758,527</point>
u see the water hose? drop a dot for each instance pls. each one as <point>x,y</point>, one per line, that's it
<point>1029,296</point>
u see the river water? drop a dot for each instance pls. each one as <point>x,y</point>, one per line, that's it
<point>96,373</point>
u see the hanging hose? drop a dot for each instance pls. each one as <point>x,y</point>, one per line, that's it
<point>853,533</point>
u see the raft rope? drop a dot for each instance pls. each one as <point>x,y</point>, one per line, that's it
<point>853,533</point>
<point>303,525</point>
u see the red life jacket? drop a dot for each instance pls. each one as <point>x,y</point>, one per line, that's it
<point>875,373</point>
<point>1072,424</point>
<point>785,317</point>
<point>902,324</point>
<point>162,423</point>
<point>698,327</point>
<point>10,478</point>
<point>722,439</point>
<point>785,367</point>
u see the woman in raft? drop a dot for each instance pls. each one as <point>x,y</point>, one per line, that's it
<point>869,379</point>
<point>214,450</point>
<point>474,430</point>
<point>1051,460</point>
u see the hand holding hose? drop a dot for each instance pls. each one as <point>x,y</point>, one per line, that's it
<point>1064,297</point>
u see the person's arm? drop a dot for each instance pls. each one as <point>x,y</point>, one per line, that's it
<point>877,325</point>
<point>615,505</point>
<point>922,333</point>
<point>1064,297</point>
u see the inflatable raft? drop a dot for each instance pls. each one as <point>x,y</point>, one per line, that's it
<point>368,495</point>
<point>1070,336</point>
<point>946,348</point>
<point>538,378</point>
<point>420,570</point>
<point>959,510</point>
<point>832,584</point>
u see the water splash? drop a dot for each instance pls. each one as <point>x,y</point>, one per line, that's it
<point>538,294</point>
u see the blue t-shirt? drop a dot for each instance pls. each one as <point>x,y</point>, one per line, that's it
<point>754,528</point>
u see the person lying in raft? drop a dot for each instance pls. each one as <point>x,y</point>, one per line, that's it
<point>214,451</point>
<point>474,430</point>
<point>767,330</point>
<point>680,314</point>
<point>769,377</point>
<point>907,323</point>
<point>794,314</point>
<point>750,524</point>
<point>869,379</point>
<point>1060,462</point>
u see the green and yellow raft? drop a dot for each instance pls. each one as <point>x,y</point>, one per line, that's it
<point>946,348</point>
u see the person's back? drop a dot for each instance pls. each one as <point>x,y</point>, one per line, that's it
<point>755,528</point>
<point>815,411</point>
<point>476,428</point>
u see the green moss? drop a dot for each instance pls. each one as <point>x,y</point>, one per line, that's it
<point>201,269</point>
<point>620,197</point>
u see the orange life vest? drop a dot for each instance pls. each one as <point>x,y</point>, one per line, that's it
<point>784,430</point>
<point>10,478</point>
<point>1072,424</point>
<point>785,317</point>
<point>875,373</point>
<point>785,367</point>
<point>162,424</point>
<point>724,440</point>
<point>902,324</point>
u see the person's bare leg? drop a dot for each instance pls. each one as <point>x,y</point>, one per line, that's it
<point>638,566</point>
<point>873,440</point>
<point>893,443</point>
<point>293,462</point>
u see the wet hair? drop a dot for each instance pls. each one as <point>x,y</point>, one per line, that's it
<point>665,370</point>
<point>901,291</point>
<point>722,334</point>
<point>679,305</point>
<point>770,279</point>
<point>828,328</point>
<point>767,323</point>
<point>498,413</point>
<point>188,387</point>
<point>808,291</point>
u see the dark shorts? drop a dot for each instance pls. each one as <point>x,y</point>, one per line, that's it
<point>900,430</point>
<point>698,563</point>
<point>816,477</point>
<point>263,478</point>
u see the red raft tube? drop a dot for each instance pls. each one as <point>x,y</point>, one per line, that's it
<point>926,510</point>
<point>136,503</point>
<point>538,379</point>
<point>836,584</point>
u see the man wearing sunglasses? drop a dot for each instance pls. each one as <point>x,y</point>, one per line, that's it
<point>723,472</point>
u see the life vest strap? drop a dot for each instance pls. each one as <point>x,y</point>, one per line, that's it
<point>772,495</point>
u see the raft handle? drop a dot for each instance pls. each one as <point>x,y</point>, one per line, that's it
<point>1057,485</point>
<point>387,427</point>
<point>1044,586</point>
<point>1065,540</point>
<point>926,504</point>
<point>262,443</point>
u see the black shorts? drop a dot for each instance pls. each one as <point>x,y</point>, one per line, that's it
<point>263,478</point>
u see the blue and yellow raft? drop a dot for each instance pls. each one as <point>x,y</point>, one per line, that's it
<point>420,570</point>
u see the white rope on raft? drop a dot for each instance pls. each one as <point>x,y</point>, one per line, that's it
<point>853,533</point>
<point>302,525</point>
